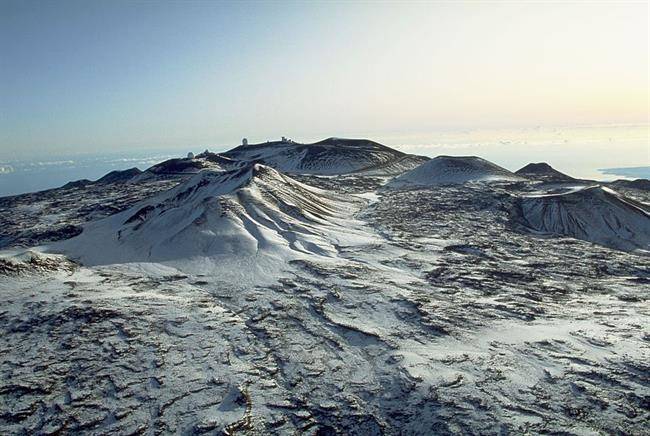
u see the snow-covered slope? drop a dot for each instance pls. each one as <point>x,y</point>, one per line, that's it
<point>328,157</point>
<point>241,222</point>
<point>594,213</point>
<point>444,170</point>
<point>188,166</point>
<point>376,340</point>
<point>542,171</point>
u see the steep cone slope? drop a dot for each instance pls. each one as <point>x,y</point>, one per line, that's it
<point>542,171</point>
<point>328,157</point>
<point>243,220</point>
<point>593,214</point>
<point>444,170</point>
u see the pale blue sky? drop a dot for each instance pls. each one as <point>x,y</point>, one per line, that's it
<point>111,75</point>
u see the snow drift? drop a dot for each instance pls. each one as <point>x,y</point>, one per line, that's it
<point>445,170</point>
<point>238,222</point>
<point>594,214</point>
<point>331,156</point>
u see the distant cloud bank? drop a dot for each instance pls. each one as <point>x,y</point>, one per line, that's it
<point>6,169</point>
<point>53,163</point>
<point>631,172</point>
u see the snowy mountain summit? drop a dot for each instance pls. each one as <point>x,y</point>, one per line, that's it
<point>593,213</point>
<point>444,170</point>
<point>328,157</point>
<point>542,171</point>
<point>252,216</point>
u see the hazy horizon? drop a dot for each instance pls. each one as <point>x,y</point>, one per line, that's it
<point>561,147</point>
<point>117,76</point>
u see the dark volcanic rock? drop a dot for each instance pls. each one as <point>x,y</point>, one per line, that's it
<point>119,176</point>
<point>178,165</point>
<point>641,184</point>
<point>77,184</point>
<point>542,171</point>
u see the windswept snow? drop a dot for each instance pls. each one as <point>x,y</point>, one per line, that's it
<point>593,213</point>
<point>445,170</point>
<point>234,223</point>
<point>232,298</point>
